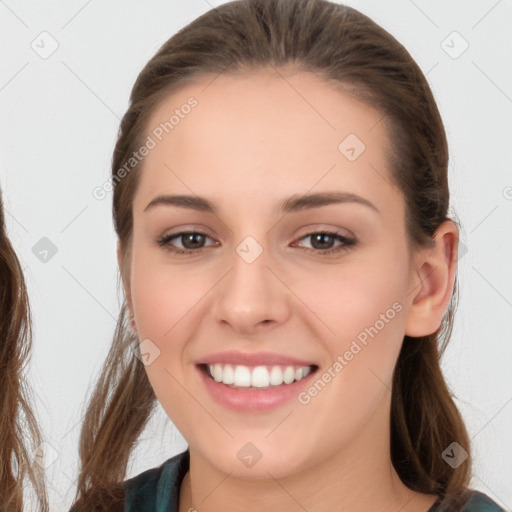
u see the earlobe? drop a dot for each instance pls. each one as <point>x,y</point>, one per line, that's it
<point>433,282</point>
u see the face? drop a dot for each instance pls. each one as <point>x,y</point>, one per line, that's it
<point>272,286</point>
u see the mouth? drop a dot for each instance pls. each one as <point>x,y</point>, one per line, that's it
<point>261,377</point>
<point>259,382</point>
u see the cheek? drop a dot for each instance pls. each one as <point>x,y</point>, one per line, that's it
<point>362,313</point>
<point>162,305</point>
<point>366,313</point>
<point>159,293</point>
<point>347,299</point>
<point>168,300</point>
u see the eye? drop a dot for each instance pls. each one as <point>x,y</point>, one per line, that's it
<point>322,238</point>
<point>187,237</point>
<point>192,239</point>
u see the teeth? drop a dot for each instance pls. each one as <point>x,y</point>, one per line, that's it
<point>276,376</point>
<point>242,376</point>
<point>258,376</point>
<point>228,375</point>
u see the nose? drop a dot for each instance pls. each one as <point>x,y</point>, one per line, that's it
<point>252,296</point>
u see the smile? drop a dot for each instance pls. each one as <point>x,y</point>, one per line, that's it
<point>254,389</point>
<point>257,376</point>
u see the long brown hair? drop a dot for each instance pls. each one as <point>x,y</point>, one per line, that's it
<point>349,50</point>
<point>19,432</point>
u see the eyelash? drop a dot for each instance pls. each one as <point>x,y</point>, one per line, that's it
<point>164,241</point>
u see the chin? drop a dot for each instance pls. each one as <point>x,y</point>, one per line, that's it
<point>261,461</point>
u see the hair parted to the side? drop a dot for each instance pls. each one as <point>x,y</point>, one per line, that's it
<point>19,432</point>
<point>349,50</point>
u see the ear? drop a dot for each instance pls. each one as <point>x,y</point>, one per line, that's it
<point>433,280</point>
<point>120,263</point>
<point>126,291</point>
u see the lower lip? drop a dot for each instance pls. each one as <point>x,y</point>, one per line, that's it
<point>252,399</point>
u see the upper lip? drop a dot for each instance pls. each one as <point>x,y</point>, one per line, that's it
<point>253,359</point>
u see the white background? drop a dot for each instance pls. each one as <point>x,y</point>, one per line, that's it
<point>60,117</point>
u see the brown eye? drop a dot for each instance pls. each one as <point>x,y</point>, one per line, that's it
<point>191,240</point>
<point>322,242</point>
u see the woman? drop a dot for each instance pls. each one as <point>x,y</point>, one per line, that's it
<point>302,377</point>
<point>19,432</point>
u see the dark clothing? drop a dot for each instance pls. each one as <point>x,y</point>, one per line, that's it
<point>158,490</point>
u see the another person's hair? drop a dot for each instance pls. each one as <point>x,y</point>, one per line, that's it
<point>19,432</point>
<point>349,51</point>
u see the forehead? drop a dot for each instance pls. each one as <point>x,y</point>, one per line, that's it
<point>264,131</point>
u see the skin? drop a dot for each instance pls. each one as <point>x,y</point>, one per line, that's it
<point>251,142</point>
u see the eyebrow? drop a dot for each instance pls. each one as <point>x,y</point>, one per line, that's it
<point>293,204</point>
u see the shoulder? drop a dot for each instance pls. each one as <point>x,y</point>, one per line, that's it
<point>157,487</point>
<point>480,502</point>
<point>470,500</point>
